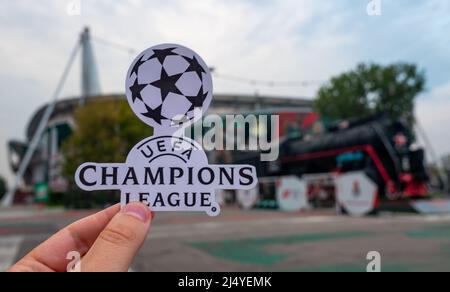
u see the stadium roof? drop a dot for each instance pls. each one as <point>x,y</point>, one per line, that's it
<point>236,102</point>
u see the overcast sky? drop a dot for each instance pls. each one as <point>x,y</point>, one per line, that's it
<point>259,39</point>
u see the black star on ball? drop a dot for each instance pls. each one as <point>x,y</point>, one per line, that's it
<point>136,89</point>
<point>154,114</point>
<point>167,84</point>
<point>198,100</point>
<point>162,54</point>
<point>195,66</point>
<point>137,65</point>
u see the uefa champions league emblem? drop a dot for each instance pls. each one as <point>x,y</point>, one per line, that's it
<point>168,87</point>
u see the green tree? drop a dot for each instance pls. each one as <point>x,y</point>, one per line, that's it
<point>105,131</point>
<point>371,89</point>
<point>2,187</point>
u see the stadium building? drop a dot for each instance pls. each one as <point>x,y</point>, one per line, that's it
<point>43,171</point>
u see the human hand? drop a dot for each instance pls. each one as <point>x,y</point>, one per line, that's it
<point>106,241</point>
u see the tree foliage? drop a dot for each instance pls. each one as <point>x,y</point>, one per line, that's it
<point>105,131</point>
<point>372,89</point>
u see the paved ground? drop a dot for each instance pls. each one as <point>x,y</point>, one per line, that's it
<point>258,240</point>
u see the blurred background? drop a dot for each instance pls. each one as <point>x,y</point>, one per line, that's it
<point>361,89</point>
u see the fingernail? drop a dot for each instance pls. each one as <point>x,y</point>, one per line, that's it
<point>137,210</point>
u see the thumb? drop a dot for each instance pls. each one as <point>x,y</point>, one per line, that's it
<point>120,241</point>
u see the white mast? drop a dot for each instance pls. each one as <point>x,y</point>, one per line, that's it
<point>90,86</point>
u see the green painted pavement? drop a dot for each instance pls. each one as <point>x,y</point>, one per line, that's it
<point>436,231</point>
<point>252,250</point>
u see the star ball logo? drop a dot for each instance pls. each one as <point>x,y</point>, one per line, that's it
<point>168,87</point>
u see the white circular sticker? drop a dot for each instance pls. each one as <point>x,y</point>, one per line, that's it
<point>247,199</point>
<point>291,194</point>
<point>356,193</point>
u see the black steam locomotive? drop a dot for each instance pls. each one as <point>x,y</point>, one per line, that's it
<point>379,146</point>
